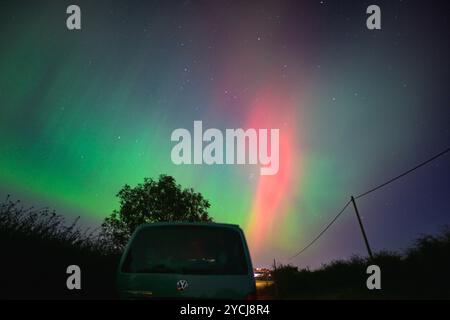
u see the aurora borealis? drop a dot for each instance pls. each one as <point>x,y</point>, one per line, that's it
<point>84,112</point>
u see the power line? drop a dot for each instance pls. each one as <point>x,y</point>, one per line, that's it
<point>322,232</point>
<point>403,174</point>
<point>366,193</point>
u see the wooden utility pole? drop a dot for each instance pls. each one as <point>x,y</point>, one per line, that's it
<point>362,228</point>
<point>275,286</point>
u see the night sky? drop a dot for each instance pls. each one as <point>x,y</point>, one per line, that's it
<point>84,112</point>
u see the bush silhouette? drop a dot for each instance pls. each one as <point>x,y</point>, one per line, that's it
<point>420,273</point>
<point>37,246</point>
<point>153,201</point>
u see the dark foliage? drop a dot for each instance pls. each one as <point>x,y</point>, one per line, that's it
<point>420,273</point>
<point>153,201</point>
<point>37,247</point>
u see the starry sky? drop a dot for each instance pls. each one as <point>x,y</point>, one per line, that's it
<point>84,112</point>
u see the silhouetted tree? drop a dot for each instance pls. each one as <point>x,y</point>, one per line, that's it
<point>153,201</point>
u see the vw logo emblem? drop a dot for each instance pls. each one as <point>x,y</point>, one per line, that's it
<point>182,285</point>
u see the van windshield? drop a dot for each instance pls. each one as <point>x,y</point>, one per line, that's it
<point>187,250</point>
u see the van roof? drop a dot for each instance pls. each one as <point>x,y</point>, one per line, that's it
<point>206,224</point>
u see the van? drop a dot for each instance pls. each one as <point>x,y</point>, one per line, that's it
<point>186,261</point>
